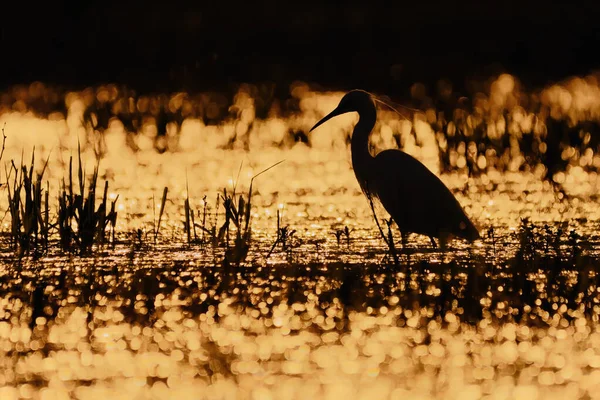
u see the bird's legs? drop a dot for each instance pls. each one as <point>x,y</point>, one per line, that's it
<point>404,238</point>
<point>433,242</point>
<point>444,242</point>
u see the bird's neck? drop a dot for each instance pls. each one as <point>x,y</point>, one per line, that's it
<point>361,157</point>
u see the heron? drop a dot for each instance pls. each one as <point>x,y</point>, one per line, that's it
<point>416,199</point>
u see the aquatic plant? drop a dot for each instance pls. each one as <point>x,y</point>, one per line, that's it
<point>28,207</point>
<point>82,224</point>
<point>238,213</point>
<point>284,236</point>
<point>156,223</point>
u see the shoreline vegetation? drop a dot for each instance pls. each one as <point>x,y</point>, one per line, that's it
<point>241,288</point>
<point>552,266</point>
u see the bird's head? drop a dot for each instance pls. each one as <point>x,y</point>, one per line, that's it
<point>355,100</point>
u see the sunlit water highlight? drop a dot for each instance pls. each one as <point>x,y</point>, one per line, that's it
<point>322,318</point>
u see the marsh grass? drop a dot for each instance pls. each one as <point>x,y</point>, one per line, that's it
<point>156,223</point>
<point>28,207</point>
<point>284,237</point>
<point>237,215</point>
<point>82,222</point>
<point>533,286</point>
<point>190,225</point>
<point>550,271</point>
<point>339,233</point>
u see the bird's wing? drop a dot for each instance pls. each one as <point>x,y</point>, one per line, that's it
<point>415,197</point>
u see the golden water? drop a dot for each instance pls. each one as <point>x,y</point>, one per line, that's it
<point>152,322</point>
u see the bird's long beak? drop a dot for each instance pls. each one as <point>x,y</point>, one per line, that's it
<point>332,114</point>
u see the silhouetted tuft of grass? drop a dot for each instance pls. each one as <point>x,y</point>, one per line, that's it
<point>238,216</point>
<point>237,212</point>
<point>339,233</point>
<point>208,233</point>
<point>284,236</point>
<point>81,221</point>
<point>28,208</point>
<point>156,227</point>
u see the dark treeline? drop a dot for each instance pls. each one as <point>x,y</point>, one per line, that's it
<point>155,47</point>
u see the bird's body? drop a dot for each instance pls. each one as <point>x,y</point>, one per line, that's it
<point>417,200</point>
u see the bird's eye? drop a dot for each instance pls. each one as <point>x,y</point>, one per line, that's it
<point>463,226</point>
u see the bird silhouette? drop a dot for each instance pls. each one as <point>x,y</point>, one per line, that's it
<point>417,200</point>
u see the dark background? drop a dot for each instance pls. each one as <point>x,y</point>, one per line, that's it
<point>201,45</point>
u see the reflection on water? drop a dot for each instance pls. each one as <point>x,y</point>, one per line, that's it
<point>159,324</point>
<point>326,314</point>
